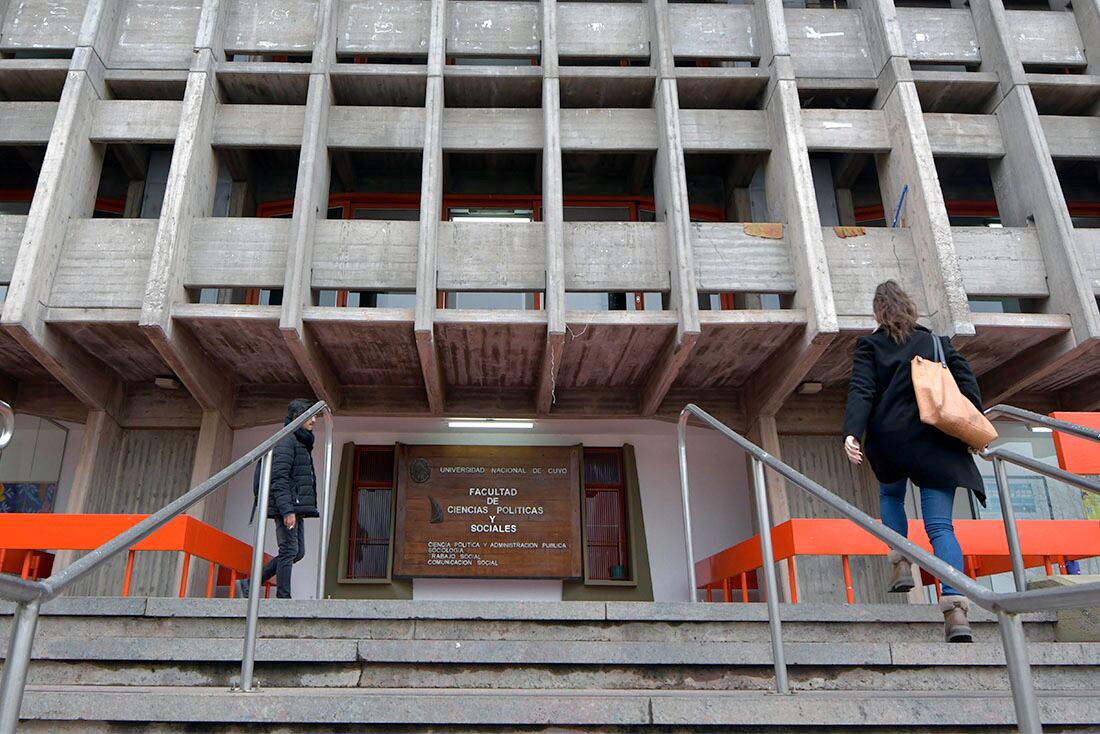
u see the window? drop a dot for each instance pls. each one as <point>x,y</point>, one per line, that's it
<point>605,515</point>
<point>371,501</point>
<point>239,296</point>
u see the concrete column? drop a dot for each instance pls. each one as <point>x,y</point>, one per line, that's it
<point>98,457</point>
<point>431,206</point>
<point>1029,194</point>
<point>792,200</point>
<point>672,205</point>
<point>553,210</point>
<point>907,175</point>
<point>212,454</point>
<point>188,194</point>
<point>311,204</point>
<point>765,434</point>
<point>1087,14</point>
<point>66,190</point>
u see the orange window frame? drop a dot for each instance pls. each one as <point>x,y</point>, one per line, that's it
<point>102,203</point>
<point>978,208</point>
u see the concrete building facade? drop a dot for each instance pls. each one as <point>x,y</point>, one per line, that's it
<point>570,211</point>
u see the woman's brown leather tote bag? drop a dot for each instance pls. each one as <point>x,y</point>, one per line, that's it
<point>942,404</point>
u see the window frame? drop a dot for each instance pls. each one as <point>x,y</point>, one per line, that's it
<point>350,539</point>
<point>628,541</point>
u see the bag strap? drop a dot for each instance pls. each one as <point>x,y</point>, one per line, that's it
<point>937,350</point>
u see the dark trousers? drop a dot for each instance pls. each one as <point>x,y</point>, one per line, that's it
<point>292,547</point>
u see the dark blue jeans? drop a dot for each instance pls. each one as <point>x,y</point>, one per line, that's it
<point>935,505</point>
<point>292,547</point>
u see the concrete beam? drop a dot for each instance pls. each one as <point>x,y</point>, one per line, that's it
<point>1029,193</point>
<point>431,203</point>
<point>553,211</point>
<point>189,194</point>
<point>672,204</point>
<point>66,188</point>
<point>907,175</point>
<point>311,204</point>
<point>999,385</point>
<point>1087,15</point>
<point>792,200</point>
<point>672,359</point>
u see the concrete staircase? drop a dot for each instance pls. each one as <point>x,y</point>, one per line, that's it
<point>166,665</point>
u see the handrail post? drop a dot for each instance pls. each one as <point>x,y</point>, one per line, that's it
<point>7,416</point>
<point>326,519</point>
<point>681,433</point>
<point>16,663</point>
<point>248,661</point>
<point>764,523</point>
<point>1008,513</point>
<point>1019,673</point>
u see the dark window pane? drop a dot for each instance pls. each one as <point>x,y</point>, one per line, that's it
<point>603,467</point>
<point>375,466</point>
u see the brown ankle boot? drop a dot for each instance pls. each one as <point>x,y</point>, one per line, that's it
<point>901,573</point>
<point>956,628</point>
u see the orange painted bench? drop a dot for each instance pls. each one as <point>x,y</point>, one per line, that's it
<point>985,549</point>
<point>21,533</point>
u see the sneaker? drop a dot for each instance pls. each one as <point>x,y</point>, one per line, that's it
<point>956,627</point>
<point>901,573</point>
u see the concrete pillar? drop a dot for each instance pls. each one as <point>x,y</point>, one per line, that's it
<point>1087,14</point>
<point>907,175</point>
<point>792,200</point>
<point>1029,194</point>
<point>553,210</point>
<point>98,457</point>
<point>765,434</point>
<point>311,204</point>
<point>188,194</point>
<point>212,454</point>
<point>431,206</point>
<point>671,198</point>
<point>66,190</point>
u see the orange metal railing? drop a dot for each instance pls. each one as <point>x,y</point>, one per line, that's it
<point>985,550</point>
<point>25,538</point>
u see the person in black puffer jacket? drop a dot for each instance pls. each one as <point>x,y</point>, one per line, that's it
<point>293,498</point>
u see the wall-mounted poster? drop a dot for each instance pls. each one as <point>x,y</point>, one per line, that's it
<point>488,511</point>
<point>27,496</point>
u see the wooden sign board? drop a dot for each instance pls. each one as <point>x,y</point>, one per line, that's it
<point>488,512</point>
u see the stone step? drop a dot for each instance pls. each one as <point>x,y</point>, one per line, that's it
<point>542,652</point>
<point>341,619</point>
<point>510,709</point>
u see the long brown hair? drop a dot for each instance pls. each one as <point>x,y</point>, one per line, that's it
<point>894,311</point>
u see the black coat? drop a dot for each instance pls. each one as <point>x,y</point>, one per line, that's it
<point>881,403</point>
<point>293,481</point>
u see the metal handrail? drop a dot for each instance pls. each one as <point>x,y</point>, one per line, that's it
<point>998,456</point>
<point>1011,412</point>
<point>7,416</point>
<point>30,595</point>
<point>1006,605</point>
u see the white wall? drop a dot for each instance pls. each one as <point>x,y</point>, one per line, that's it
<point>42,450</point>
<point>720,497</point>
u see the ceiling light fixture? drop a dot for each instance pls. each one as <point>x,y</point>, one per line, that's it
<point>1040,429</point>
<point>498,423</point>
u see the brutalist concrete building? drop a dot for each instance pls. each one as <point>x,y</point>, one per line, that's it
<point>580,214</point>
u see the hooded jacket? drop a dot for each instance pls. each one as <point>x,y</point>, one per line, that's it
<point>293,480</point>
